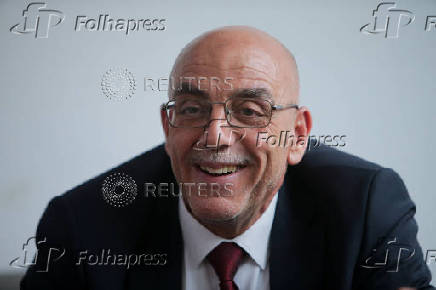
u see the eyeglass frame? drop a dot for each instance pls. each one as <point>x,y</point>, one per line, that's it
<point>274,107</point>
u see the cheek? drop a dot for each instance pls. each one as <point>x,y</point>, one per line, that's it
<point>178,145</point>
<point>269,148</point>
<point>266,145</point>
<point>180,141</point>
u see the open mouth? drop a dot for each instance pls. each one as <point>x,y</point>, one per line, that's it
<point>220,171</point>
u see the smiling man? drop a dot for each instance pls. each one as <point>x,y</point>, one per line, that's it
<point>250,215</point>
<point>262,73</point>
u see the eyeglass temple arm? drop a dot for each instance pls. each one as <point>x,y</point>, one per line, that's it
<point>283,107</point>
<point>165,106</point>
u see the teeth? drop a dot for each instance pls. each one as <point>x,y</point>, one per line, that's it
<point>222,170</point>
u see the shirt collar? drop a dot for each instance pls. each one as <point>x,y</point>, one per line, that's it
<point>199,241</point>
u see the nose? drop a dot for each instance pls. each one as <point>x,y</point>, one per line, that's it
<point>218,134</point>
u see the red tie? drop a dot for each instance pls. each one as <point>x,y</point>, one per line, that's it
<point>225,259</point>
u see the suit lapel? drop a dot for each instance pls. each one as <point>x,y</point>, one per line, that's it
<point>297,239</point>
<point>163,236</point>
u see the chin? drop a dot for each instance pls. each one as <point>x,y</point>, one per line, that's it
<point>215,209</point>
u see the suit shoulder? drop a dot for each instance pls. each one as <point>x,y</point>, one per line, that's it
<point>340,185</point>
<point>335,176</point>
<point>325,156</point>
<point>96,211</point>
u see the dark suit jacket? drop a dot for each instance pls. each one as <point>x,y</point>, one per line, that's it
<point>340,223</point>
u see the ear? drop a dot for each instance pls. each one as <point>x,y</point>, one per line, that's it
<point>302,127</point>
<point>165,126</point>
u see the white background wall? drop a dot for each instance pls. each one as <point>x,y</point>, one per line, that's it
<point>57,128</point>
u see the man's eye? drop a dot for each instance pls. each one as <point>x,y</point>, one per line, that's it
<point>247,109</point>
<point>248,112</point>
<point>190,110</point>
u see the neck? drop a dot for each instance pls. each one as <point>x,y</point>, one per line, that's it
<point>230,229</point>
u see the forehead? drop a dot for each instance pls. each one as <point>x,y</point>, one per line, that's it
<point>237,59</point>
<point>243,68</point>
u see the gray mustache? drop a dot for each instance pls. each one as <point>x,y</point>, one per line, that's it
<point>220,157</point>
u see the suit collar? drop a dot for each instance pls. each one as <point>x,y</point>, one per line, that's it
<point>162,235</point>
<point>297,238</point>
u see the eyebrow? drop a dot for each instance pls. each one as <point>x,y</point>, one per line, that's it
<point>187,88</point>
<point>253,93</point>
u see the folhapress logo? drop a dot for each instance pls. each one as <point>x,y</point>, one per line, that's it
<point>38,20</point>
<point>388,20</point>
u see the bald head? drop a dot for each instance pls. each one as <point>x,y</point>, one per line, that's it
<point>241,51</point>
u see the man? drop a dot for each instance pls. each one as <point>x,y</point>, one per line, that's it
<point>251,215</point>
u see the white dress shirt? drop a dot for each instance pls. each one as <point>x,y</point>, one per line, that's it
<point>252,273</point>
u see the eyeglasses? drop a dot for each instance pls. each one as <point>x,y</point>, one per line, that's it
<point>194,112</point>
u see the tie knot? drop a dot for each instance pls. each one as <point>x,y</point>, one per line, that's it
<point>225,259</point>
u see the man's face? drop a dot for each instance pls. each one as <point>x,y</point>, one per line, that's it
<point>235,174</point>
